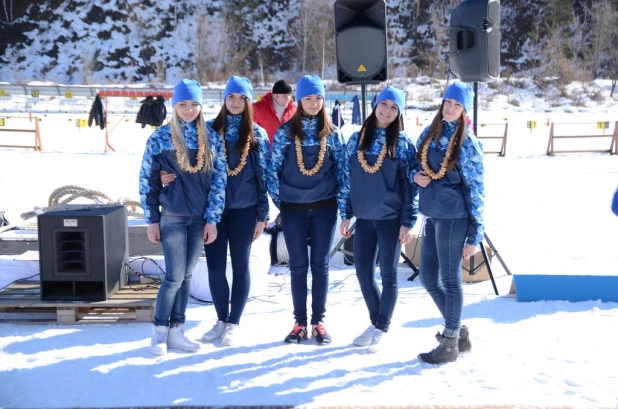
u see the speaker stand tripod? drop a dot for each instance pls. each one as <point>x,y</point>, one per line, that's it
<point>474,269</point>
<point>338,247</point>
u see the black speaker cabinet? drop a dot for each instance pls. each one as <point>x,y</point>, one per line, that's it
<point>474,40</point>
<point>83,251</point>
<point>360,41</point>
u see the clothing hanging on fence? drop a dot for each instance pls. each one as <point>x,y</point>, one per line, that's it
<point>152,112</point>
<point>356,113</point>
<point>96,113</point>
<point>336,115</point>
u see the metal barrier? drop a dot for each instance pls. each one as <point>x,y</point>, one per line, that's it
<point>65,99</point>
<point>37,134</point>
<point>613,147</point>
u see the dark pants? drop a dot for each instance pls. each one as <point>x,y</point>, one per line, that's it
<point>440,271</point>
<point>236,228</point>
<point>296,227</point>
<point>370,235</point>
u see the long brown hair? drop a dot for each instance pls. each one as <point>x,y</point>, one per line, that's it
<point>325,126</point>
<point>435,132</point>
<point>246,127</point>
<point>392,133</point>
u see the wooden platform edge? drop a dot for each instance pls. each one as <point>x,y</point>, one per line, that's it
<point>20,302</point>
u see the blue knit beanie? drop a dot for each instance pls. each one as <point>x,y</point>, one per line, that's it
<point>392,94</point>
<point>309,85</point>
<point>239,85</point>
<point>462,93</point>
<point>187,90</point>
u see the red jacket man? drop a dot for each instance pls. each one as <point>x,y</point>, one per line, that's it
<point>275,108</point>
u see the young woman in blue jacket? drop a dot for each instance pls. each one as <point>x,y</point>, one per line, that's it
<point>380,195</point>
<point>304,180</point>
<point>451,197</point>
<point>246,147</point>
<point>182,216</point>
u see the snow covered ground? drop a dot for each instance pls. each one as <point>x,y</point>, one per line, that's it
<point>546,215</point>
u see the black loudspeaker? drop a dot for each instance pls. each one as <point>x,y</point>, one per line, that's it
<point>83,252</point>
<point>474,40</point>
<point>360,41</point>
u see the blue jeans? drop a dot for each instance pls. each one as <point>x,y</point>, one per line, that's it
<point>440,270</point>
<point>236,228</point>
<point>296,227</point>
<point>182,238</point>
<point>370,235</point>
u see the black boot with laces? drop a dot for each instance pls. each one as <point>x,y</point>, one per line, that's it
<point>465,345</point>
<point>446,351</point>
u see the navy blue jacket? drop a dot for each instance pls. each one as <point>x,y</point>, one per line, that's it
<point>285,181</point>
<point>191,194</point>
<point>461,192</point>
<point>387,193</point>
<point>249,186</point>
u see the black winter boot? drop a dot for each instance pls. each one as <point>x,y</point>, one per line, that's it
<point>465,345</point>
<point>464,339</point>
<point>446,351</point>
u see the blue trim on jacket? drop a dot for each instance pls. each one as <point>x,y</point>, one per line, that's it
<point>470,167</point>
<point>248,187</point>
<point>405,152</point>
<point>335,150</point>
<point>191,194</point>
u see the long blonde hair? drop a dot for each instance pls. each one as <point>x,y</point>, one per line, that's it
<point>182,143</point>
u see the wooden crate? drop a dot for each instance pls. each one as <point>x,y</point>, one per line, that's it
<point>21,302</point>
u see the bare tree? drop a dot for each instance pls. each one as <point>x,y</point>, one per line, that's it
<point>8,10</point>
<point>440,12</point>
<point>603,40</point>
<point>321,38</point>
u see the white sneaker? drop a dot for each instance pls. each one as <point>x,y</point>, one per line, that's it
<point>374,347</point>
<point>364,339</point>
<point>158,342</point>
<point>229,338</point>
<point>216,332</point>
<point>178,340</point>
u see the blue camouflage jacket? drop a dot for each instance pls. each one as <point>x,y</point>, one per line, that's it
<point>387,193</point>
<point>191,194</point>
<point>285,181</point>
<point>249,186</point>
<point>461,192</point>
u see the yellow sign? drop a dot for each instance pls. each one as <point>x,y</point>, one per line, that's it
<point>2,93</point>
<point>602,125</point>
<point>81,123</point>
<point>68,95</point>
<point>34,93</point>
<point>132,98</point>
<point>531,124</point>
<point>1,121</point>
<point>362,68</point>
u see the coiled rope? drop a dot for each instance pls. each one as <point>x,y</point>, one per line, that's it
<point>66,194</point>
